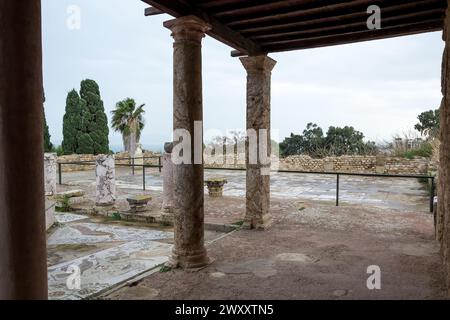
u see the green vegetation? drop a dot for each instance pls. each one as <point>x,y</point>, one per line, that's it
<point>116,216</point>
<point>165,268</point>
<point>337,142</point>
<point>129,121</point>
<point>85,125</point>
<point>48,146</point>
<point>63,204</point>
<point>428,123</point>
<point>424,150</point>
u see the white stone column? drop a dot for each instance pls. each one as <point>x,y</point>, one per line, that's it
<point>259,70</point>
<point>50,174</point>
<point>189,249</point>
<point>168,185</point>
<point>105,193</point>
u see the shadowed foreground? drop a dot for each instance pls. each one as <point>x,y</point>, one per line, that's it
<point>312,252</point>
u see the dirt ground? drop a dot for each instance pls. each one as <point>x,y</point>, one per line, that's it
<point>312,251</point>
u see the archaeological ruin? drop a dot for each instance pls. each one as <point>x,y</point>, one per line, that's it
<point>28,178</point>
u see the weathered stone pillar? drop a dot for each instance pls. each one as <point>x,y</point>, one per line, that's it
<point>50,188</point>
<point>189,250</point>
<point>168,185</point>
<point>443,214</point>
<point>23,256</point>
<point>105,193</point>
<point>259,70</point>
<point>50,174</point>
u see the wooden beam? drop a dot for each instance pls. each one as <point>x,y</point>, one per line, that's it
<point>410,29</point>
<point>320,12</point>
<point>152,11</point>
<point>284,26</point>
<point>351,27</point>
<point>271,8</point>
<point>219,31</point>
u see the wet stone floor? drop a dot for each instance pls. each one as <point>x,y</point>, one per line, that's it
<point>109,252</point>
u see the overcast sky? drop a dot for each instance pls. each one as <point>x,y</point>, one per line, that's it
<point>378,87</point>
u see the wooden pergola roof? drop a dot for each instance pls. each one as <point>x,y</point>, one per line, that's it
<point>264,26</point>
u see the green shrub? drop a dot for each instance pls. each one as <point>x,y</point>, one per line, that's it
<point>425,150</point>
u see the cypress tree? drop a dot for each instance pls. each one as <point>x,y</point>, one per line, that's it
<point>48,146</point>
<point>72,122</point>
<point>94,121</point>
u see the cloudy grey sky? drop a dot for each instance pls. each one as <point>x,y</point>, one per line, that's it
<point>378,87</point>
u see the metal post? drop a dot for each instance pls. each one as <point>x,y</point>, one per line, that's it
<point>337,190</point>
<point>159,163</point>
<point>143,177</point>
<point>59,173</point>
<point>432,190</point>
<point>132,166</point>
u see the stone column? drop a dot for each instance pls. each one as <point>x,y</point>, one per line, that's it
<point>259,70</point>
<point>50,174</point>
<point>23,256</point>
<point>443,210</point>
<point>189,250</point>
<point>50,188</point>
<point>168,185</point>
<point>105,193</point>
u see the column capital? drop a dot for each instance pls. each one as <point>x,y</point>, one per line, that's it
<point>187,28</point>
<point>258,63</point>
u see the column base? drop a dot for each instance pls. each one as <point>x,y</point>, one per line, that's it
<point>259,223</point>
<point>188,260</point>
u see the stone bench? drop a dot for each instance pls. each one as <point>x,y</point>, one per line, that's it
<point>69,194</point>
<point>138,203</point>
<point>62,198</point>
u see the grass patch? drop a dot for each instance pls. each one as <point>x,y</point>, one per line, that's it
<point>115,216</point>
<point>165,269</point>
<point>63,204</point>
<point>301,209</point>
<point>238,223</point>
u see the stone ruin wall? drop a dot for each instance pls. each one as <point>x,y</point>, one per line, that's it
<point>90,157</point>
<point>357,164</point>
<point>354,164</point>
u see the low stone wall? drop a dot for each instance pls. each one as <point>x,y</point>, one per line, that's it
<point>356,164</point>
<point>121,158</point>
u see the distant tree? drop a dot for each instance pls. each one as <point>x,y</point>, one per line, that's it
<point>72,126</point>
<point>428,123</point>
<point>85,125</point>
<point>338,141</point>
<point>291,145</point>
<point>48,146</point>
<point>347,140</point>
<point>93,120</point>
<point>129,121</point>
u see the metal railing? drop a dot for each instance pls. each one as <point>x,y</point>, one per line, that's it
<point>430,179</point>
<point>131,164</point>
<point>376,175</point>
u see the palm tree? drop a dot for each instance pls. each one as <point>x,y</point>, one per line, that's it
<point>129,121</point>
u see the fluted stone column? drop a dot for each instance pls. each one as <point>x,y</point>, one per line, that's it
<point>23,254</point>
<point>189,250</point>
<point>105,192</point>
<point>259,70</point>
<point>168,185</point>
